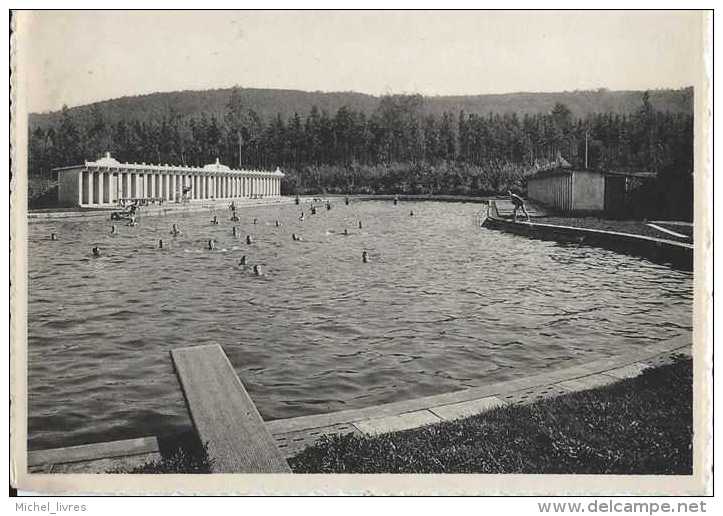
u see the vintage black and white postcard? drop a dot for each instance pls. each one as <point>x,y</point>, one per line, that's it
<point>382,252</point>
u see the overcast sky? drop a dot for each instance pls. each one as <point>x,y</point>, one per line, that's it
<point>82,57</point>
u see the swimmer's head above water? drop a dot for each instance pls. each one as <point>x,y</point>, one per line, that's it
<point>96,251</point>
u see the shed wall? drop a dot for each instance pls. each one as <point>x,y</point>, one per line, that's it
<point>554,191</point>
<point>588,191</point>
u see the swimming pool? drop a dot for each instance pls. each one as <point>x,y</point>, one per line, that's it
<point>442,305</point>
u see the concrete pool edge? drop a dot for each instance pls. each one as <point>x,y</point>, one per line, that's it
<point>294,434</point>
<point>151,211</point>
<point>678,254</point>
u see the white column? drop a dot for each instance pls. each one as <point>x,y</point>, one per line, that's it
<point>80,187</point>
<point>91,187</point>
<point>152,178</point>
<point>99,175</point>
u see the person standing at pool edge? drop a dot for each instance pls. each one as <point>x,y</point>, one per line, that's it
<point>519,202</point>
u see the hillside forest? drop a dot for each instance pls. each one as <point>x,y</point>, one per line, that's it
<point>398,146</point>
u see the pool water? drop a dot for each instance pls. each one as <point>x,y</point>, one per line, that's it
<point>442,305</point>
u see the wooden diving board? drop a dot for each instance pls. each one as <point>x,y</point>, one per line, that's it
<point>224,415</point>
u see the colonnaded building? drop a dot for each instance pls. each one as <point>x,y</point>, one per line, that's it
<point>106,182</point>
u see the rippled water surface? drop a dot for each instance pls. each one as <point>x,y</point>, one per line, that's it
<point>443,305</point>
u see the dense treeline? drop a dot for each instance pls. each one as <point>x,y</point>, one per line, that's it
<point>268,102</point>
<point>398,148</point>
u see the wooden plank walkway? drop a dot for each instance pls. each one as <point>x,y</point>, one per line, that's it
<point>94,451</point>
<point>224,415</point>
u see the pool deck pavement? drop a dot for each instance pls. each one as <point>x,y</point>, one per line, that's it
<point>166,208</point>
<point>294,434</point>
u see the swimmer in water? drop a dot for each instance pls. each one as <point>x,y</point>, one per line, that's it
<point>132,221</point>
<point>96,252</point>
<point>234,217</point>
<point>175,231</point>
<point>346,201</point>
<point>313,210</point>
<point>53,236</point>
<point>211,244</point>
<point>396,200</point>
<point>113,230</point>
<point>346,232</point>
<point>257,271</point>
<point>277,223</point>
<point>301,217</point>
<point>295,237</point>
<point>411,214</point>
<point>248,239</point>
<point>243,260</point>
<point>214,220</point>
<point>328,205</point>
<point>234,231</point>
<point>160,244</point>
<point>360,224</point>
<point>365,257</point>
<point>255,220</point>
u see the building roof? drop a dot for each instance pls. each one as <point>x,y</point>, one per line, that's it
<point>561,171</point>
<point>108,162</point>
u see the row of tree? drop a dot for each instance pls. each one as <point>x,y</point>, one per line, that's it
<point>396,149</point>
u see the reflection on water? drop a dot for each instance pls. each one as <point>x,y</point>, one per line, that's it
<point>442,305</point>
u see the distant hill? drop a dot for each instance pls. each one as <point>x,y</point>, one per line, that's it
<point>269,102</point>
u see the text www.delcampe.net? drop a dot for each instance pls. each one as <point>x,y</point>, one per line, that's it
<point>615,506</point>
